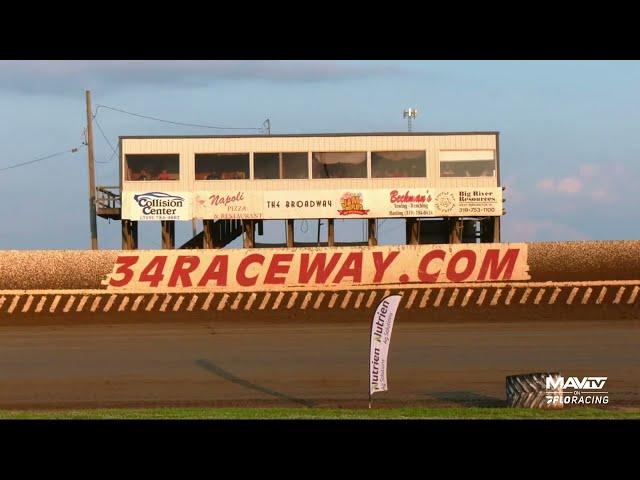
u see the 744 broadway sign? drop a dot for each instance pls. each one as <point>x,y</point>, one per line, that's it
<point>316,268</point>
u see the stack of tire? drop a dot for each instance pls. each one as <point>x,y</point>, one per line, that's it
<point>530,391</point>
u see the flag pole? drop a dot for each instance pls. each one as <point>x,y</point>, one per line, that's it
<point>369,364</point>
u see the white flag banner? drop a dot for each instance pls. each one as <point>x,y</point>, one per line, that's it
<point>380,338</point>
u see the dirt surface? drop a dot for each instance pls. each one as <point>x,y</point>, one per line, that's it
<point>289,363</point>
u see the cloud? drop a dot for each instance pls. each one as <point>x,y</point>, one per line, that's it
<point>62,77</point>
<point>526,229</point>
<point>546,185</point>
<point>606,183</point>
<point>587,170</point>
<point>569,185</point>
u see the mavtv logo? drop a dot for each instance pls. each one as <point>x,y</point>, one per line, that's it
<point>584,383</point>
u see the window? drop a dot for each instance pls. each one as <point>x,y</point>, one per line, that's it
<point>398,164</point>
<point>222,166</point>
<point>141,167</point>
<point>266,165</point>
<point>470,163</point>
<point>340,165</point>
<point>295,165</point>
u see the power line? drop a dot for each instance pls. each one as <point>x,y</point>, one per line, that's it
<point>73,150</point>
<point>95,120</point>
<point>103,134</point>
<point>173,122</point>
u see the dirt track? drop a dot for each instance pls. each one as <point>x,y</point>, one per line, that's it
<point>294,363</point>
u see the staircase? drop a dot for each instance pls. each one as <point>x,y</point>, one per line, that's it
<point>216,234</point>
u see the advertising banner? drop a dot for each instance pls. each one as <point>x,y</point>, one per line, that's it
<point>348,203</point>
<point>224,205</point>
<point>437,202</point>
<point>282,269</point>
<point>143,206</point>
<point>381,328</point>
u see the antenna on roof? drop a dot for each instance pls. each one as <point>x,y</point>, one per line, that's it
<point>267,126</point>
<point>410,114</point>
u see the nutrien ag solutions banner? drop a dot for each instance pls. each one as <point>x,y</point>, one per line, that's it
<point>381,329</point>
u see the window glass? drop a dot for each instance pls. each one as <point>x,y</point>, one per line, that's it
<point>468,168</point>
<point>141,167</point>
<point>295,165</point>
<point>266,165</point>
<point>222,166</point>
<point>398,164</point>
<point>340,165</point>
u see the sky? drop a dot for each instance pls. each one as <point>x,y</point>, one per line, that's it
<point>569,143</point>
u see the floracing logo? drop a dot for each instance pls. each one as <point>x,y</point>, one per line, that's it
<point>445,201</point>
<point>352,204</point>
<point>158,203</point>
<point>576,390</point>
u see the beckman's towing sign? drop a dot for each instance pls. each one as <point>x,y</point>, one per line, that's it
<point>316,268</point>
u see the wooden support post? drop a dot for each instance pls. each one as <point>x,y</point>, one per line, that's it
<point>208,229</point>
<point>129,234</point>
<point>412,228</point>
<point>331,233</point>
<point>250,233</point>
<point>168,234</point>
<point>496,230</point>
<point>373,235</point>
<point>260,227</point>
<point>290,232</point>
<point>455,230</point>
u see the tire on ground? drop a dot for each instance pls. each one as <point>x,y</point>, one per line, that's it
<point>530,391</point>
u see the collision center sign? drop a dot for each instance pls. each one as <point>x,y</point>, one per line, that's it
<point>149,205</point>
<point>317,268</point>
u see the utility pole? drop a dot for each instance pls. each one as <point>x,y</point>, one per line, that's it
<point>92,177</point>
<point>266,125</point>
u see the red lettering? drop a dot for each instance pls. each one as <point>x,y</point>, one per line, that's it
<point>241,277</point>
<point>182,273</point>
<point>381,264</point>
<point>406,198</point>
<point>423,274</point>
<point>217,270</point>
<point>490,264</point>
<point>124,269</point>
<point>152,273</point>
<point>275,268</point>
<point>454,276</point>
<point>348,270</point>
<point>317,265</point>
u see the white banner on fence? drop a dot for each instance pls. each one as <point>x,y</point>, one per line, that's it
<point>381,328</point>
<point>348,203</point>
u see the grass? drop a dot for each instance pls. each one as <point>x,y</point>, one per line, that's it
<point>315,414</point>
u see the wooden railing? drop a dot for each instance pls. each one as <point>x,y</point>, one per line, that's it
<point>108,197</point>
